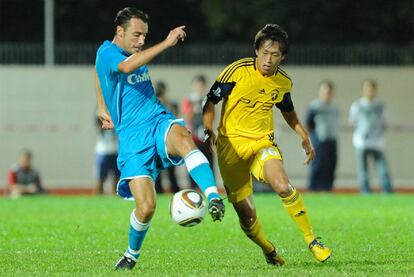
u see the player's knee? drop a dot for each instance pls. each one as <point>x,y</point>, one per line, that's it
<point>283,189</point>
<point>183,143</point>
<point>187,143</point>
<point>146,210</point>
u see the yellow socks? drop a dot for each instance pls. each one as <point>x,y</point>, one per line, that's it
<point>296,208</point>
<point>256,234</point>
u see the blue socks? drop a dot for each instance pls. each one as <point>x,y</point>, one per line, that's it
<point>201,172</point>
<point>137,232</point>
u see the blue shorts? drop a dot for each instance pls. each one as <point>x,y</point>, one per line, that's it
<point>143,152</point>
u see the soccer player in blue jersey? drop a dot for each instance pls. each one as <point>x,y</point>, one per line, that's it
<point>151,138</point>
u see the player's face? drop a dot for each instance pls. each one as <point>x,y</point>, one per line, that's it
<point>25,161</point>
<point>369,91</point>
<point>325,93</point>
<point>269,56</point>
<point>133,37</point>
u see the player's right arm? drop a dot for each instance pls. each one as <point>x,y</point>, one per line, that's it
<point>208,118</point>
<point>217,92</point>
<point>138,59</point>
<point>103,113</point>
<point>221,88</point>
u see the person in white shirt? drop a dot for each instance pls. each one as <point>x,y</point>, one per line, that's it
<point>368,116</point>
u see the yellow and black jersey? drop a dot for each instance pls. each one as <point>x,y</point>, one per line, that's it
<point>249,98</point>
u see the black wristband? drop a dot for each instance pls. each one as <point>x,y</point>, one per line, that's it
<point>207,134</point>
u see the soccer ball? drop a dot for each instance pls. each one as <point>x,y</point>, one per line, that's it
<point>187,208</point>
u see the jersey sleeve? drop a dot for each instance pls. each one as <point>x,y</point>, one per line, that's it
<point>218,91</point>
<point>112,58</point>
<point>286,105</point>
<point>226,81</point>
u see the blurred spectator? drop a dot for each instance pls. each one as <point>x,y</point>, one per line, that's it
<point>192,110</point>
<point>106,153</point>
<point>23,179</point>
<point>322,121</point>
<point>368,116</point>
<point>161,93</point>
<point>191,107</point>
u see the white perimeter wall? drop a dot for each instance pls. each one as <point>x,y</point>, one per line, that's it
<point>50,110</point>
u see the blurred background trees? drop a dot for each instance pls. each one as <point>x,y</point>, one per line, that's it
<point>212,21</point>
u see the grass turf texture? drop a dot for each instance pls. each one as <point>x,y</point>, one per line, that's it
<point>84,236</point>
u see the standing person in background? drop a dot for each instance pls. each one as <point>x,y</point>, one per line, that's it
<point>22,178</point>
<point>150,137</point>
<point>322,122</point>
<point>368,116</point>
<point>191,108</point>
<point>161,93</point>
<point>106,153</point>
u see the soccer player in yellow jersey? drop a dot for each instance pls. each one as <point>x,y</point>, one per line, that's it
<point>250,88</point>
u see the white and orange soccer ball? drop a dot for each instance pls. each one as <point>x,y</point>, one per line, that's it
<point>187,208</point>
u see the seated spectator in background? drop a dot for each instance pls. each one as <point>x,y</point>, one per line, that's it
<point>23,179</point>
<point>192,110</point>
<point>368,116</point>
<point>161,93</point>
<point>106,153</point>
<point>322,122</point>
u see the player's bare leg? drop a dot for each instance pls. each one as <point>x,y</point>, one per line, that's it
<point>292,201</point>
<point>180,143</point>
<point>145,202</point>
<point>252,227</point>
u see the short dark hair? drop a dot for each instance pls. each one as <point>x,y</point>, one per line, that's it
<point>275,33</point>
<point>123,16</point>
<point>200,78</point>
<point>160,88</point>
<point>26,152</point>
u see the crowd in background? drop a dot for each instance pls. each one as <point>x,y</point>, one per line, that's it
<point>367,115</point>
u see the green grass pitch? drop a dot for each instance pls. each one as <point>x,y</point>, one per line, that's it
<point>84,236</point>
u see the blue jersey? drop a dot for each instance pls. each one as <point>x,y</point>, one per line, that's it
<point>141,121</point>
<point>130,98</point>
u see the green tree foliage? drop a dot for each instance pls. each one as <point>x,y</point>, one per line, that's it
<point>212,21</point>
<point>316,21</point>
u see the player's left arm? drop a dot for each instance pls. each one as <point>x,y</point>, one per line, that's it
<point>138,59</point>
<point>289,114</point>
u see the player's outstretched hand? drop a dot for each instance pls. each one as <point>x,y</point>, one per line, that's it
<point>175,35</point>
<point>210,139</point>
<point>106,120</point>
<point>310,152</point>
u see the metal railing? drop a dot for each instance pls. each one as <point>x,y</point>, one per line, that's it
<point>209,54</point>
